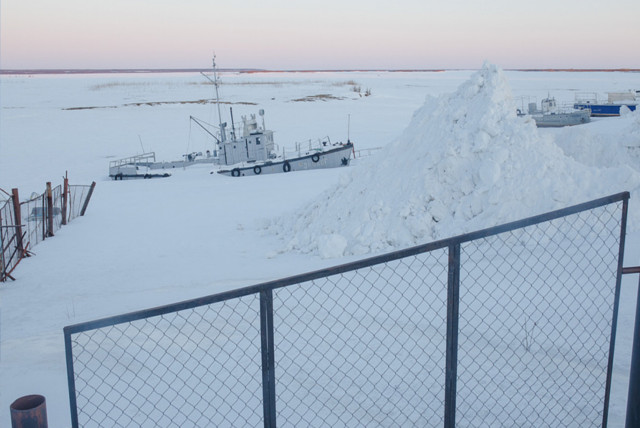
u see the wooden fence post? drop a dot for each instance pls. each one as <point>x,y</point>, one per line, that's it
<point>49,210</point>
<point>86,201</point>
<point>65,191</point>
<point>18,220</point>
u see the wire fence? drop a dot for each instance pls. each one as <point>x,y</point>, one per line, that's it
<point>25,224</point>
<point>9,236</point>
<point>509,326</point>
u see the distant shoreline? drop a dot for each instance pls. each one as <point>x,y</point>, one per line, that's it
<point>249,70</point>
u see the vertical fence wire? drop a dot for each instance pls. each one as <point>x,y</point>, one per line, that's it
<point>8,239</point>
<point>77,196</point>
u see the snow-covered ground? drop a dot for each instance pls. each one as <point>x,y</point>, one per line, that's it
<point>451,149</point>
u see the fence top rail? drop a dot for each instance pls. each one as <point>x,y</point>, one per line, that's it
<point>347,267</point>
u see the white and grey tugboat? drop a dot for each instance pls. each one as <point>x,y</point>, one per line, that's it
<point>255,153</point>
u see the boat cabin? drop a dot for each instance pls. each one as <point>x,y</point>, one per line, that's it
<point>256,144</point>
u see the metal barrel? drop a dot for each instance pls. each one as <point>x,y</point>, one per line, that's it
<point>29,411</point>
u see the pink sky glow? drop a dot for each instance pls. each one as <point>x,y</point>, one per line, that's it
<point>329,34</point>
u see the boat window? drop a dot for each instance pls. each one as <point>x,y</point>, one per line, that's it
<point>257,140</point>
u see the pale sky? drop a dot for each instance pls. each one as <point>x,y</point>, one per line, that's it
<point>326,34</point>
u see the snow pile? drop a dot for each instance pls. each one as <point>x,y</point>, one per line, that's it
<point>465,162</point>
<point>608,143</point>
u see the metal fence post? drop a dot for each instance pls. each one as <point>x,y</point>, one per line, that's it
<point>633,397</point>
<point>2,262</point>
<point>86,201</point>
<point>616,306</point>
<point>73,405</point>
<point>453,302</point>
<point>65,193</point>
<point>49,210</point>
<point>268,361</point>
<point>18,220</point>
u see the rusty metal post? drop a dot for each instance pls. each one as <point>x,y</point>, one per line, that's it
<point>86,201</point>
<point>65,192</point>
<point>18,220</point>
<point>29,411</point>
<point>49,210</point>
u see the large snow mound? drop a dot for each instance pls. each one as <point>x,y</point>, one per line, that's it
<point>465,162</point>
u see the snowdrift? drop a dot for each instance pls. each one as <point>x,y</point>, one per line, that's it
<point>465,162</point>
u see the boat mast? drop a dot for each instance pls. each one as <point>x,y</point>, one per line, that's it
<point>233,125</point>
<point>216,83</point>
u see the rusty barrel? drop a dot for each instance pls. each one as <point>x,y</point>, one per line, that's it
<point>29,411</point>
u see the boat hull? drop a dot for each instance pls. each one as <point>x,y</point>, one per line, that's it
<point>333,158</point>
<point>603,110</point>
<point>558,120</point>
<point>181,163</point>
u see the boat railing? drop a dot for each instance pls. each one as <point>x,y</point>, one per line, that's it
<point>307,147</point>
<point>610,98</point>
<point>621,97</point>
<point>586,97</point>
<point>566,107</point>
<point>366,152</point>
<point>143,159</point>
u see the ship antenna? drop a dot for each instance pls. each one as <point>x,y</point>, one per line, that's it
<point>348,127</point>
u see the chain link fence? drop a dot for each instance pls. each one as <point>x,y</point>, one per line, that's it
<point>510,326</point>
<point>24,227</point>
<point>364,348</point>
<point>536,310</point>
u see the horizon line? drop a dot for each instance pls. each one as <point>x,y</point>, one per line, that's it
<point>260,70</point>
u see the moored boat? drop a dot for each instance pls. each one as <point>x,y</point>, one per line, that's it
<point>137,166</point>
<point>336,155</point>
<point>611,107</point>
<point>550,116</point>
<point>253,152</point>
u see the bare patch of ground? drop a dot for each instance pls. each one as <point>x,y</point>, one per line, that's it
<point>319,97</point>
<point>157,103</point>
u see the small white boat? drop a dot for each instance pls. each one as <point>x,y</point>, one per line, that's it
<point>137,166</point>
